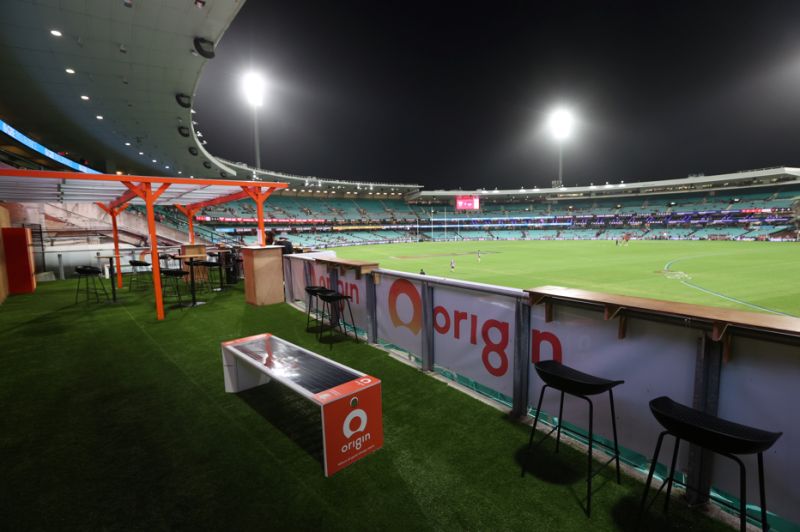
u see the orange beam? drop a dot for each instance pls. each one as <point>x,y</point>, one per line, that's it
<point>145,191</point>
<point>189,213</point>
<point>259,197</point>
<point>113,211</point>
<point>135,179</point>
<point>216,201</point>
<point>123,199</point>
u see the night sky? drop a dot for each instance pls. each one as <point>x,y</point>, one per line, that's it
<point>457,95</point>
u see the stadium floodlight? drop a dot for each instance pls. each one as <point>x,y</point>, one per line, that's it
<point>254,86</point>
<point>561,123</point>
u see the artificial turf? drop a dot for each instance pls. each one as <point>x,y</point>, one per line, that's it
<point>112,420</point>
<point>752,276</point>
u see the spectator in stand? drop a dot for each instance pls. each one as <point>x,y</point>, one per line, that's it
<point>270,238</point>
<point>421,271</point>
<point>287,246</point>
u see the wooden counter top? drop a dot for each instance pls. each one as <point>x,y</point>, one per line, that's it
<point>360,266</point>
<point>721,318</point>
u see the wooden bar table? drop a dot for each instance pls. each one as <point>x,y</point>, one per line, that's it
<point>263,274</point>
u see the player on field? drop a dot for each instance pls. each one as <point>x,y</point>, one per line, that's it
<point>452,264</point>
<point>479,256</point>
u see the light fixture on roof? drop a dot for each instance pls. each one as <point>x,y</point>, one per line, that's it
<point>155,161</point>
<point>167,167</point>
<point>141,153</point>
<point>84,98</point>
<point>119,172</point>
<point>180,172</point>
<point>99,117</point>
<point>127,143</point>
<point>55,33</point>
<point>69,70</point>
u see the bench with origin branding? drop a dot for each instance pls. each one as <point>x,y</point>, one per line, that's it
<point>349,401</point>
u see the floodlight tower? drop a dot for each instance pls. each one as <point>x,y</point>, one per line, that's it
<point>561,123</point>
<point>254,86</point>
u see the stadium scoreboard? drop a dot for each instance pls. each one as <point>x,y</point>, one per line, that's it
<point>467,203</point>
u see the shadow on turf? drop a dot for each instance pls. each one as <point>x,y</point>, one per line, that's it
<point>625,514</point>
<point>294,416</point>
<point>53,323</point>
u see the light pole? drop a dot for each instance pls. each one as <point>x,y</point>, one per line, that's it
<point>561,123</point>
<point>254,86</point>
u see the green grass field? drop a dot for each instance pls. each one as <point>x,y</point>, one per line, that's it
<point>115,421</point>
<point>753,276</point>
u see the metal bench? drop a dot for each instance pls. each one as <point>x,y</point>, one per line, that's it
<point>349,401</point>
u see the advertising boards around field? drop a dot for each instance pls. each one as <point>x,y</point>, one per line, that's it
<point>302,267</point>
<point>319,275</point>
<point>357,290</point>
<point>352,422</point>
<point>653,359</point>
<point>474,336</point>
<point>758,387</point>
<point>399,309</point>
<point>298,277</point>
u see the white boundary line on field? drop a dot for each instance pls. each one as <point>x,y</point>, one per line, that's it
<point>723,296</point>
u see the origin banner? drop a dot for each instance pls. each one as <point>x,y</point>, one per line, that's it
<point>474,336</point>
<point>399,309</point>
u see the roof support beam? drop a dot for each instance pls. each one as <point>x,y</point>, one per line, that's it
<point>260,197</point>
<point>146,192</point>
<point>189,212</point>
<point>113,212</point>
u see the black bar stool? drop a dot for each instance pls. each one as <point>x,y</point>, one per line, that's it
<point>89,273</point>
<point>203,274</point>
<point>716,435</point>
<point>313,291</point>
<point>216,266</point>
<point>165,261</point>
<point>334,302</point>
<point>176,275</point>
<point>573,382</point>
<point>136,266</point>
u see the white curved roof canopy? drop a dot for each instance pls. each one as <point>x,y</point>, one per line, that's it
<point>130,61</point>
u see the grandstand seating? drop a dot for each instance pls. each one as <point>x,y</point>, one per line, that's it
<point>650,217</point>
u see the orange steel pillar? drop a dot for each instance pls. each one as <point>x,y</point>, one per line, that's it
<point>145,191</point>
<point>189,212</point>
<point>113,212</point>
<point>259,197</point>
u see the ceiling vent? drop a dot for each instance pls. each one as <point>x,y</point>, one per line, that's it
<point>207,164</point>
<point>193,150</point>
<point>204,47</point>
<point>183,130</point>
<point>184,100</point>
